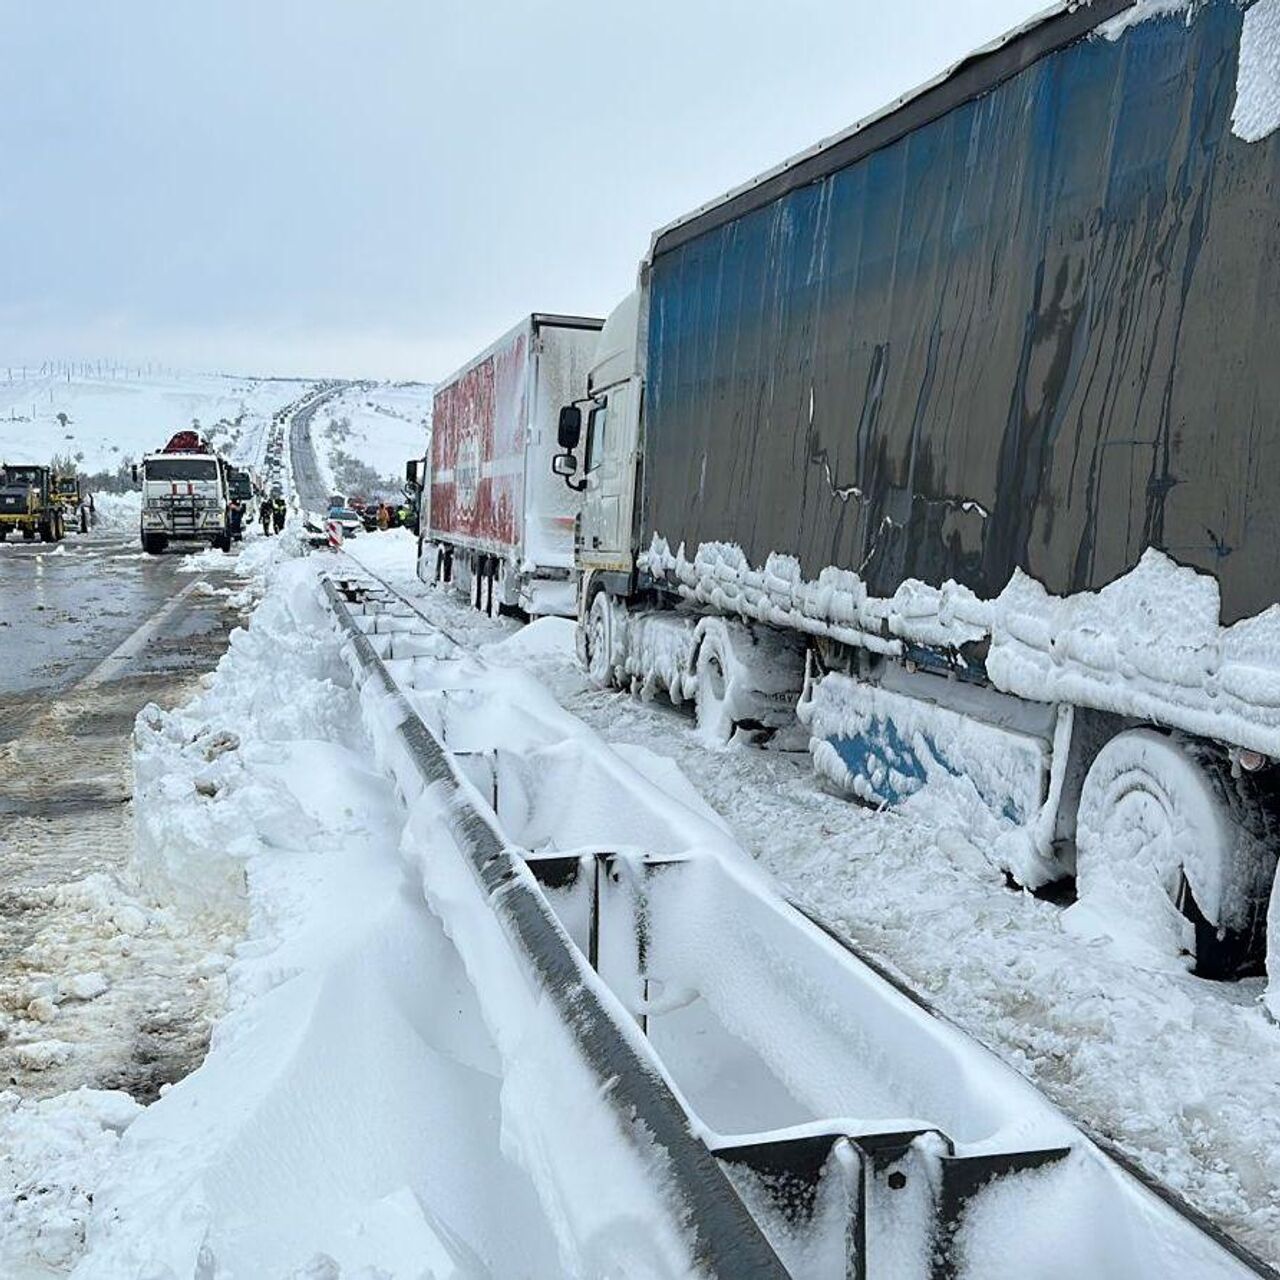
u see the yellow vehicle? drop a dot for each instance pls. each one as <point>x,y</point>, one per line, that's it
<point>29,505</point>
<point>70,497</point>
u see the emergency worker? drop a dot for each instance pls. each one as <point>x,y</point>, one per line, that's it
<point>278,513</point>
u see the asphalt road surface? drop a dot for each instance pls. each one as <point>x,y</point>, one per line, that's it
<point>91,631</point>
<point>313,493</point>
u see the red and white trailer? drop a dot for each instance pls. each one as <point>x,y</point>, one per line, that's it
<point>499,524</point>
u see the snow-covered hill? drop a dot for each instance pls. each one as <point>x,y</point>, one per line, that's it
<point>370,431</point>
<point>110,419</point>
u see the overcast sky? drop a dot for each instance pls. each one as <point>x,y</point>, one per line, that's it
<point>381,187</point>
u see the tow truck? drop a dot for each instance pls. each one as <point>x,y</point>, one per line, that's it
<point>185,495</point>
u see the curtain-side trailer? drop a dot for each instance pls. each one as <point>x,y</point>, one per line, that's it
<point>957,435</point>
<point>499,524</point>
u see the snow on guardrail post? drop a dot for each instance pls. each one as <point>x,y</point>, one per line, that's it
<point>726,1242</point>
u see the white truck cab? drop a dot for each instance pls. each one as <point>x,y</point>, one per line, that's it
<point>602,434</point>
<point>184,496</point>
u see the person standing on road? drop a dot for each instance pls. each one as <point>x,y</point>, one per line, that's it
<point>264,514</point>
<point>278,513</point>
<point>235,518</point>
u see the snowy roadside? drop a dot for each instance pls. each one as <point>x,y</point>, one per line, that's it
<point>348,1038</point>
<point>1181,1073</point>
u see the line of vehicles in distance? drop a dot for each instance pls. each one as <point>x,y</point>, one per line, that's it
<point>952,440</point>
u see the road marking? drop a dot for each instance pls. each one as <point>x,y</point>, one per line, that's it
<point>110,667</point>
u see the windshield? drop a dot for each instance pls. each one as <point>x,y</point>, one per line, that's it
<point>181,469</point>
<point>22,475</point>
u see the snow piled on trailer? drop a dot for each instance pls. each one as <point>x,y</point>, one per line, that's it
<point>1257,110</point>
<point>1148,645</point>
<point>1180,1073</point>
<point>1256,114</point>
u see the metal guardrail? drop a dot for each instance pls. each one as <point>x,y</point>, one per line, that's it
<point>725,1239</point>
<point>729,1240</point>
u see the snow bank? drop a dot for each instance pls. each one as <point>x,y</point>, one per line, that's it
<point>53,1153</point>
<point>346,1119</point>
<point>117,512</point>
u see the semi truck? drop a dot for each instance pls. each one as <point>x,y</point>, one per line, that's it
<point>185,495</point>
<point>952,446</point>
<point>29,504</point>
<point>499,524</point>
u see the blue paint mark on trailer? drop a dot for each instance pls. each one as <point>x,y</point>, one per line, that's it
<point>895,768</point>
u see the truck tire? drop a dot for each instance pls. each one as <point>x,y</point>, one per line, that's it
<point>598,641</point>
<point>1169,839</point>
<point>28,535</point>
<point>46,530</point>
<point>153,543</point>
<point>713,686</point>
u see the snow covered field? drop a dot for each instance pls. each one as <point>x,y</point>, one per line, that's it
<point>110,419</point>
<point>380,427</point>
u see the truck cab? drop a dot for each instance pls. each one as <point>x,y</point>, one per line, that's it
<point>600,439</point>
<point>185,495</point>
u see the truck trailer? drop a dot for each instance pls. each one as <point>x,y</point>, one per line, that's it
<point>499,524</point>
<point>955,440</point>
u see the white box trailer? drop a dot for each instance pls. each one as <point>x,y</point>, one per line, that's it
<point>498,523</point>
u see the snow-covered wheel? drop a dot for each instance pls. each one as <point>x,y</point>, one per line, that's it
<point>1170,842</point>
<point>598,641</point>
<point>714,671</point>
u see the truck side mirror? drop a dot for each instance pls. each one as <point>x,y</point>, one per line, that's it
<point>564,464</point>
<point>569,429</point>
<point>411,471</point>
<point>133,471</point>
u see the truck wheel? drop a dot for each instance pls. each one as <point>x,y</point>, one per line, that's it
<point>598,641</point>
<point>1168,841</point>
<point>46,531</point>
<point>713,686</point>
<point>152,544</point>
<point>28,535</point>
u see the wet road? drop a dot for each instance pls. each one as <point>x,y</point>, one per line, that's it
<point>91,631</point>
<point>65,607</point>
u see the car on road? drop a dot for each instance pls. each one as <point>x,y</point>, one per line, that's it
<point>348,520</point>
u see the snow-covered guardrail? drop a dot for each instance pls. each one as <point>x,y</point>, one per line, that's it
<point>723,1239</point>
<point>787,1108</point>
